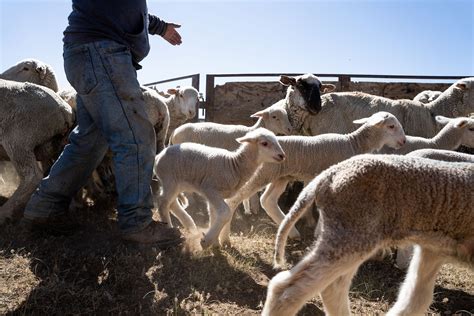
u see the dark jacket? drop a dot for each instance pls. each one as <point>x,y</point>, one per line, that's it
<point>124,21</point>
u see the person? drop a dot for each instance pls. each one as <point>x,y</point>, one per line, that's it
<point>103,45</point>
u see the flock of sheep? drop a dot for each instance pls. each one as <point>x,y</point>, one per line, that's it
<point>394,181</point>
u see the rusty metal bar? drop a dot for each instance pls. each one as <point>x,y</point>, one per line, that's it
<point>210,82</point>
<point>342,75</point>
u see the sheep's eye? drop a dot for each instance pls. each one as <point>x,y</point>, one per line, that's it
<point>264,144</point>
<point>391,126</point>
<point>471,129</point>
<point>274,117</point>
<point>25,68</point>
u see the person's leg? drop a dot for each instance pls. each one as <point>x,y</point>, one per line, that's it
<point>72,169</point>
<point>117,107</point>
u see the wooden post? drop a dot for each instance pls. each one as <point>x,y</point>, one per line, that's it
<point>209,105</point>
<point>344,81</point>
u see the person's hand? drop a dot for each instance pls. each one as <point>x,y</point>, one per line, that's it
<point>171,35</point>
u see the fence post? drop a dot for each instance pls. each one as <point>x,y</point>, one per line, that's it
<point>209,105</point>
<point>345,82</point>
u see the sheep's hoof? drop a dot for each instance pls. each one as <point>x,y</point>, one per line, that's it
<point>226,243</point>
<point>294,235</point>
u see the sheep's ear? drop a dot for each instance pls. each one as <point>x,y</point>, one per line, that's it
<point>287,80</point>
<point>173,91</point>
<point>461,86</point>
<point>443,120</point>
<point>360,121</point>
<point>245,139</point>
<point>327,87</point>
<point>262,113</point>
<point>461,123</point>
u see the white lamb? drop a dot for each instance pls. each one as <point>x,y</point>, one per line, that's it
<point>34,71</point>
<point>368,203</point>
<point>273,118</point>
<point>215,173</point>
<point>308,156</point>
<point>456,132</point>
<point>338,110</point>
<point>427,96</point>
<point>33,126</point>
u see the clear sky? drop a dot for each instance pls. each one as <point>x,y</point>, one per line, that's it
<point>412,37</point>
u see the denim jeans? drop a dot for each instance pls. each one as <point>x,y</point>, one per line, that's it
<point>110,114</point>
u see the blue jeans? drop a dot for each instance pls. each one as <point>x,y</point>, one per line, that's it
<point>110,114</point>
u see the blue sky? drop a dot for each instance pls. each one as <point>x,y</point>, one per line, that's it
<point>412,37</point>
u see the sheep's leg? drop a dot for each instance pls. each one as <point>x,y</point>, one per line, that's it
<point>247,209</point>
<point>217,221</point>
<point>336,295</point>
<point>404,255</point>
<point>329,260</point>
<point>250,188</point>
<point>308,218</point>
<point>30,175</point>
<point>164,200</point>
<point>416,292</point>
<point>183,216</point>
<point>269,201</point>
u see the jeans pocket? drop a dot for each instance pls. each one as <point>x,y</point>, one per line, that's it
<point>80,69</point>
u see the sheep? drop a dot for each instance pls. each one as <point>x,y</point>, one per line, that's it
<point>215,173</point>
<point>34,71</point>
<point>404,254</point>
<point>33,126</point>
<point>367,203</point>
<point>338,110</point>
<point>273,118</point>
<point>445,155</point>
<point>303,95</point>
<point>182,104</point>
<point>427,96</point>
<point>308,156</point>
<point>456,132</point>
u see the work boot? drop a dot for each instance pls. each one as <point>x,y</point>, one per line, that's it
<point>58,224</point>
<point>157,233</point>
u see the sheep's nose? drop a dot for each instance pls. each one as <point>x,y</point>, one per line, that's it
<point>281,156</point>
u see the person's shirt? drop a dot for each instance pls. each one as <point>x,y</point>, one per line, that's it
<point>124,21</point>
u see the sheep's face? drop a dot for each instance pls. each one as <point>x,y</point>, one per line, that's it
<point>29,70</point>
<point>276,120</point>
<point>269,150</point>
<point>393,135</point>
<point>463,127</point>
<point>186,100</point>
<point>305,91</point>
<point>466,85</point>
<point>467,127</point>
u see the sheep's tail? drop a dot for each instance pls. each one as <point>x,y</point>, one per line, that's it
<point>303,202</point>
<point>183,200</point>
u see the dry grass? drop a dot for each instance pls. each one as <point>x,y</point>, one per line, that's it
<point>93,272</point>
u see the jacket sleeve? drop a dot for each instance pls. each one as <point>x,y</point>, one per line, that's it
<point>155,25</point>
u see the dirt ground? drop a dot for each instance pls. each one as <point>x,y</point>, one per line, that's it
<point>93,272</point>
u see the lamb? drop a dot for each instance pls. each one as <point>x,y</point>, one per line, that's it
<point>273,118</point>
<point>34,71</point>
<point>33,126</point>
<point>404,254</point>
<point>445,155</point>
<point>371,202</point>
<point>215,173</point>
<point>308,156</point>
<point>456,132</point>
<point>427,96</point>
<point>338,110</point>
<point>182,104</point>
